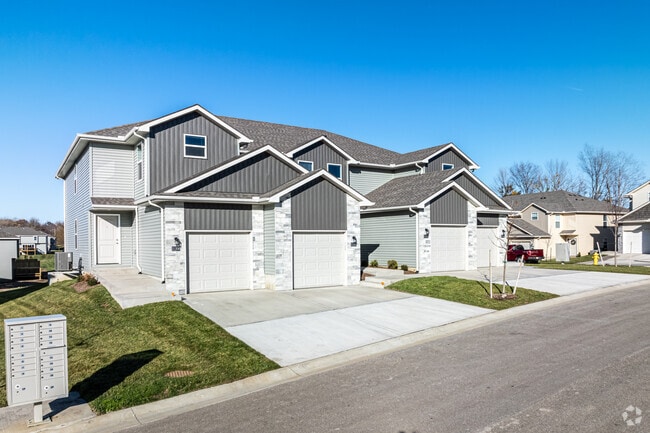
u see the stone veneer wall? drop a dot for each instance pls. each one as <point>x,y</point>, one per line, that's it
<point>283,246</point>
<point>353,254</point>
<point>472,237</point>
<point>503,227</point>
<point>424,244</point>
<point>259,279</point>
<point>175,269</point>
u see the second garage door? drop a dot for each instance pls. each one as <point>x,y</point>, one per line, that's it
<point>318,260</point>
<point>448,248</point>
<point>488,246</point>
<point>219,261</point>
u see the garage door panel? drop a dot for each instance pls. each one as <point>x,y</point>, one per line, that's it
<point>488,246</point>
<point>448,248</point>
<point>319,260</point>
<point>219,262</point>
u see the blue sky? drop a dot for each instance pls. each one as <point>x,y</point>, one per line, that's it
<point>506,81</point>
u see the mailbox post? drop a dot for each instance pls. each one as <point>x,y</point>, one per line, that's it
<point>36,351</point>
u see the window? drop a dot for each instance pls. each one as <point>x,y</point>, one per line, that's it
<point>307,165</point>
<point>604,220</point>
<point>74,178</point>
<point>446,166</point>
<point>534,216</point>
<point>557,221</point>
<point>195,146</point>
<point>334,170</point>
<point>138,162</point>
<point>76,237</point>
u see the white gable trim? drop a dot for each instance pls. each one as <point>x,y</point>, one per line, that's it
<point>266,149</point>
<point>328,142</point>
<point>471,163</point>
<point>485,188</point>
<point>276,198</point>
<point>458,189</point>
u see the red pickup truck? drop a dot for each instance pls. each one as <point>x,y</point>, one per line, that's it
<point>519,253</point>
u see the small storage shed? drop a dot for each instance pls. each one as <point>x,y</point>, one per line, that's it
<point>8,251</point>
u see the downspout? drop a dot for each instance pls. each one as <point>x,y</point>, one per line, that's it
<point>162,237</point>
<point>137,215</point>
<point>417,238</point>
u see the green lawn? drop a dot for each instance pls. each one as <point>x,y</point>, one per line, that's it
<point>119,358</point>
<point>622,267</point>
<point>467,292</point>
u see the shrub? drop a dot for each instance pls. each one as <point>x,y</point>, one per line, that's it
<point>404,267</point>
<point>88,278</point>
<point>374,263</point>
<point>392,264</point>
<point>578,255</point>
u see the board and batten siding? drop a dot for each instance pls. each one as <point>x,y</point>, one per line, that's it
<point>150,253</point>
<point>112,171</point>
<point>365,180</point>
<point>389,236</point>
<point>204,217</point>
<point>447,157</point>
<point>449,208</point>
<point>167,164</point>
<point>318,205</point>
<point>322,154</point>
<point>77,206</point>
<point>488,219</point>
<point>269,240</point>
<point>256,175</point>
<point>476,191</point>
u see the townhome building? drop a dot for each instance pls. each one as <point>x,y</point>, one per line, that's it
<point>635,225</point>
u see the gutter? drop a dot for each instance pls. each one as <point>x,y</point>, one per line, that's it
<point>162,237</point>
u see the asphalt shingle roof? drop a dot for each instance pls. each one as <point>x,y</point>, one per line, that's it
<point>408,190</point>
<point>559,201</point>
<point>22,231</point>
<point>116,131</point>
<point>113,201</point>
<point>527,227</point>
<point>640,214</point>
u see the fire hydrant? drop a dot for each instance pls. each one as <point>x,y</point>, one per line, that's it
<point>596,256</point>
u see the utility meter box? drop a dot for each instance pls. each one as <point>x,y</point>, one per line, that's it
<point>36,351</point>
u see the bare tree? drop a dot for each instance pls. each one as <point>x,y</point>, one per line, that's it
<point>557,176</point>
<point>594,163</point>
<point>503,183</point>
<point>526,177</point>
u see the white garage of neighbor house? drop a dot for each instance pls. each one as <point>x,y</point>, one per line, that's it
<point>635,228</point>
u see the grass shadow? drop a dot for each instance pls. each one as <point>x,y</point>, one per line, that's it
<point>17,290</point>
<point>113,374</point>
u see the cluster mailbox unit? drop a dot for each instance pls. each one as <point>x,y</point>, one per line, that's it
<point>37,360</point>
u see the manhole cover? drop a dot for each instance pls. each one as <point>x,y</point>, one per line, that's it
<point>179,373</point>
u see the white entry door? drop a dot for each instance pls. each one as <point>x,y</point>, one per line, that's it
<point>108,239</point>
<point>219,262</point>
<point>318,260</point>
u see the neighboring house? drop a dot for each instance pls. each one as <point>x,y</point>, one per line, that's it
<point>31,241</point>
<point>525,233</point>
<point>8,251</point>
<point>635,226</point>
<point>216,203</point>
<point>581,222</point>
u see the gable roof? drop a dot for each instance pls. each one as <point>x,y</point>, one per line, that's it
<point>637,189</point>
<point>640,214</point>
<point>559,202</point>
<point>22,231</point>
<point>528,228</point>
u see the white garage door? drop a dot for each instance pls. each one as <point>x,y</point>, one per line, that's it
<point>488,246</point>
<point>633,240</point>
<point>448,248</point>
<point>318,260</point>
<point>219,261</point>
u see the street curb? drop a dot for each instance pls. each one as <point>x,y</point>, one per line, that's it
<point>158,410</point>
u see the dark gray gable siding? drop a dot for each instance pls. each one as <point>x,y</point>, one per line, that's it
<point>319,205</point>
<point>321,154</point>
<point>476,191</point>
<point>167,164</point>
<point>449,208</point>
<point>488,220</point>
<point>257,175</point>
<point>200,216</point>
<point>447,157</point>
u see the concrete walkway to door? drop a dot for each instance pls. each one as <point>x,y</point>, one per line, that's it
<point>300,325</point>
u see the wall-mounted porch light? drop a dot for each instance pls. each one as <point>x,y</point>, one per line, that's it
<point>354,241</point>
<point>426,233</point>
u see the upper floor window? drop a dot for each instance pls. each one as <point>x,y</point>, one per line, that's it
<point>138,162</point>
<point>557,221</point>
<point>447,166</point>
<point>307,165</point>
<point>334,170</point>
<point>76,235</point>
<point>195,146</point>
<point>534,216</point>
<point>74,179</point>
<point>604,220</point>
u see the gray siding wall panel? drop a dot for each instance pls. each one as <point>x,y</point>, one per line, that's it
<point>150,238</point>
<point>269,240</point>
<point>389,236</point>
<point>112,170</point>
<point>200,216</point>
<point>365,180</point>
<point>488,219</point>
<point>476,191</point>
<point>77,207</point>
<point>257,175</point>
<point>319,205</point>
<point>449,208</point>
<point>321,154</point>
<point>410,171</point>
<point>447,157</point>
<point>167,164</point>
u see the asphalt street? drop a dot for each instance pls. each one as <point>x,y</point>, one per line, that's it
<point>575,367</point>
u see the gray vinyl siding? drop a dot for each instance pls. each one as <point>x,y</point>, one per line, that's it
<point>138,185</point>
<point>449,208</point>
<point>77,206</point>
<point>410,171</point>
<point>257,175</point>
<point>322,154</point>
<point>167,164</point>
<point>150,239</point>
<point>365,180</point>
<point>319,205</point>
<point>112,171</point>
<point>127,237</point>
<point>476,191</point>
<point>389,236</point>
<point>447,157</point>
<point>488,219</point>
<point>199,216</point>
<point>269,240</point>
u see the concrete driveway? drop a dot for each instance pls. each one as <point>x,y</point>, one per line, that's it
<point>296,326</point>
